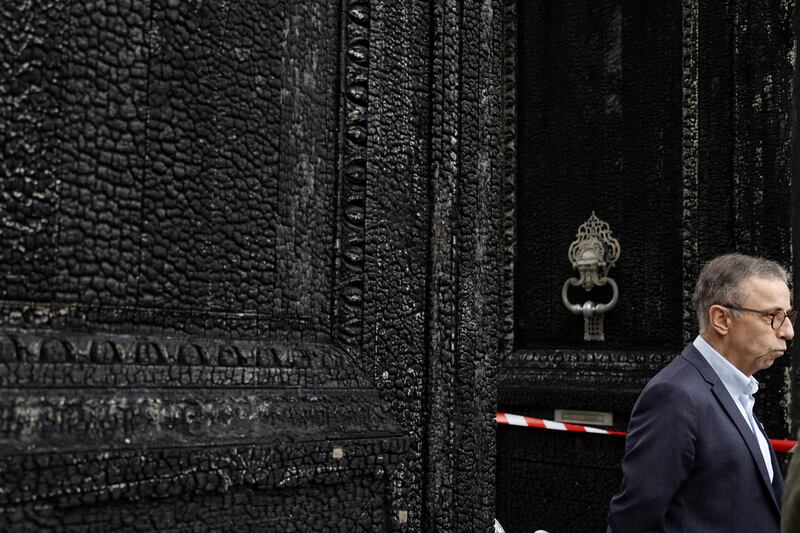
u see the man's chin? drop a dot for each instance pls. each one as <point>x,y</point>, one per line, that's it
<point>768,360</point>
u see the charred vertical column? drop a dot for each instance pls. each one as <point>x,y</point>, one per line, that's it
<point>690,176</point>
<point>466,276</point>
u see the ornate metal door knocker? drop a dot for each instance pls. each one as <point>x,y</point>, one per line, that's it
<point>593,253</point>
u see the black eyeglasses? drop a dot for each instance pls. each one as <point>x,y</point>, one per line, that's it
<point>777,317</point>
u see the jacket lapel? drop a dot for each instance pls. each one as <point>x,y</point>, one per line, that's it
<point>725,400</point>
<point>777,478</point>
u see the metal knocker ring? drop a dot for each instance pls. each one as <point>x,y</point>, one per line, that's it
<point>589,308</point>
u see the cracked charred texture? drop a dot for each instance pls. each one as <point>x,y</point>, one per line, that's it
<point>551,468</point>
<point>260,487</point>
<point>689,163</point>
<point>35,37</point>
<point>466,274</point>
<point>480,251</point>
<point>167,154</point>
<point>223,222</point>
<point>169,215</point>
<point>445,139</point>
<point>53,420</point>
<point>103,98</point>
<point>397,224</point>
<point>240,166</point>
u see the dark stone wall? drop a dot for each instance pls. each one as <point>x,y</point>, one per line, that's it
<point>250,265</point>
<point>673,123</point>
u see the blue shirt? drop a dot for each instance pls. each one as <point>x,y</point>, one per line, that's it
<point>741,388</point>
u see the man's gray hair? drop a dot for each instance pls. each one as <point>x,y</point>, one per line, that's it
<point>721,279</point>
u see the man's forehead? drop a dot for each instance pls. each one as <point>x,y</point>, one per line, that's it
<point>770,291</point>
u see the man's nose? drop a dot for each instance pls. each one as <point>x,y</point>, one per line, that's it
<point>786,331</point>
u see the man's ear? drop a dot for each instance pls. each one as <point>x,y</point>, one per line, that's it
<point>719,319</point>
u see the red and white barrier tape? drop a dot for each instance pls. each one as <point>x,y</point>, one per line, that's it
<point>779,445</point>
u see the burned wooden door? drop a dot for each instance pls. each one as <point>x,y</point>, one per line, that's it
<point>670,122</point>
<point>182,269</point>
<point>249,264</point>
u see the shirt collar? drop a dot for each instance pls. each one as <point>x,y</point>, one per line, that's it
<point>733,378</point>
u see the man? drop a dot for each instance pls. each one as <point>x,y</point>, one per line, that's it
<point>696,459</point>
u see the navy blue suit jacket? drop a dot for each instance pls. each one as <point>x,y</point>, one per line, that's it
<point>692,464</point>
